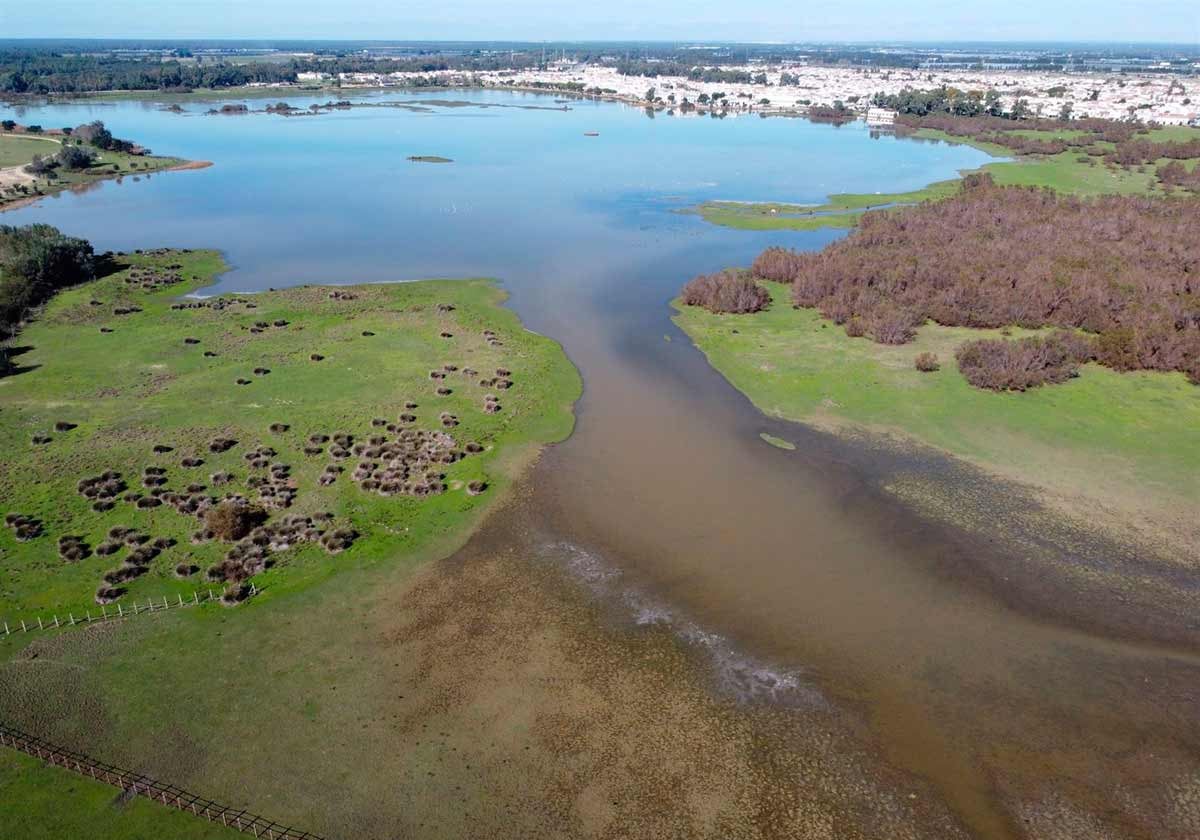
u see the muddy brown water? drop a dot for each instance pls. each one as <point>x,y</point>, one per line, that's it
<point>800,579</point>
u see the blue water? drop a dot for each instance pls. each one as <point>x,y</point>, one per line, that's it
<point>331,198</point>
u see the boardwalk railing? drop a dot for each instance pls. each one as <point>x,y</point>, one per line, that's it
<point>109,613</point>
<point>139,785</point>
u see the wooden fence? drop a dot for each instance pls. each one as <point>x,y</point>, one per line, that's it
<point>139,785</point>
<point>109,613</point>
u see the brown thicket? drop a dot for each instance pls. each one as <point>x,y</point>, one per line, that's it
<point>1175,174</point>
<point>1004,365</point>
<point>1125,269</point>
<point>728,291</point>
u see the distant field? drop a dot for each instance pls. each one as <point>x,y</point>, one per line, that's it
<point>1064,172</point>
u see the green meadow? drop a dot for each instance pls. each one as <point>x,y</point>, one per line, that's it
<point>168,377</point>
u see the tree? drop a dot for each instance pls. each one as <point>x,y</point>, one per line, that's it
<point>650,94</point>
<point>991,104</point>
<point>1064,113</point>
<point>35,262</point>
<point>76,157</point>
<point>8,125</point>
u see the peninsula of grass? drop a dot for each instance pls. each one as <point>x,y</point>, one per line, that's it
<point>275,397</point>
<point>18,187</point>
<point>1128,440</point>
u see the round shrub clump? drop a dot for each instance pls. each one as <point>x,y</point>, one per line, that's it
<point>231,520</point>
<point>1002,365</point>
<point>927,362</point>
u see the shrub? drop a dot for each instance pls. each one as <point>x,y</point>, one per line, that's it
<point>1004,365</point>
<point>927,362</point>
<point>728,291</point>
<point>231,520</point>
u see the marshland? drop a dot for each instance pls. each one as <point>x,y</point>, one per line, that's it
<point>693,616</point>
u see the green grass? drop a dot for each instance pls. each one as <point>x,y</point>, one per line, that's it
<point>1120,435</point>
<point>34,805</point>
<point>19,149</point>
<point>1173,134</point>
<point>141,384</point>
<point>160,689</point>
<point>1065,174</point>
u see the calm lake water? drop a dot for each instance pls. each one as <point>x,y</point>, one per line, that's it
<point>793,571</point>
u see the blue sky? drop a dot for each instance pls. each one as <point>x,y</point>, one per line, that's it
<point>726,20</point>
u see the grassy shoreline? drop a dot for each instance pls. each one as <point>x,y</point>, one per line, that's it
<point>150,382</point>
<point>1128,442</point>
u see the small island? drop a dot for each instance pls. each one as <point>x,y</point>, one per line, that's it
<point>430,159</point>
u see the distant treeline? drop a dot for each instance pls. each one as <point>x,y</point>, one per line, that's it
<point>35,262</point>
<point>694,72</point>
<point>1121,269</point>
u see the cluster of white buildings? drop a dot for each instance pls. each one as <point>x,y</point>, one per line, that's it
<point>1167,99</point>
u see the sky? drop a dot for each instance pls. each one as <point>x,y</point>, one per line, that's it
<point>1176,21</point>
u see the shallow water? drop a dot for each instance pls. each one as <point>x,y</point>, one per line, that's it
<point>794,574</point>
